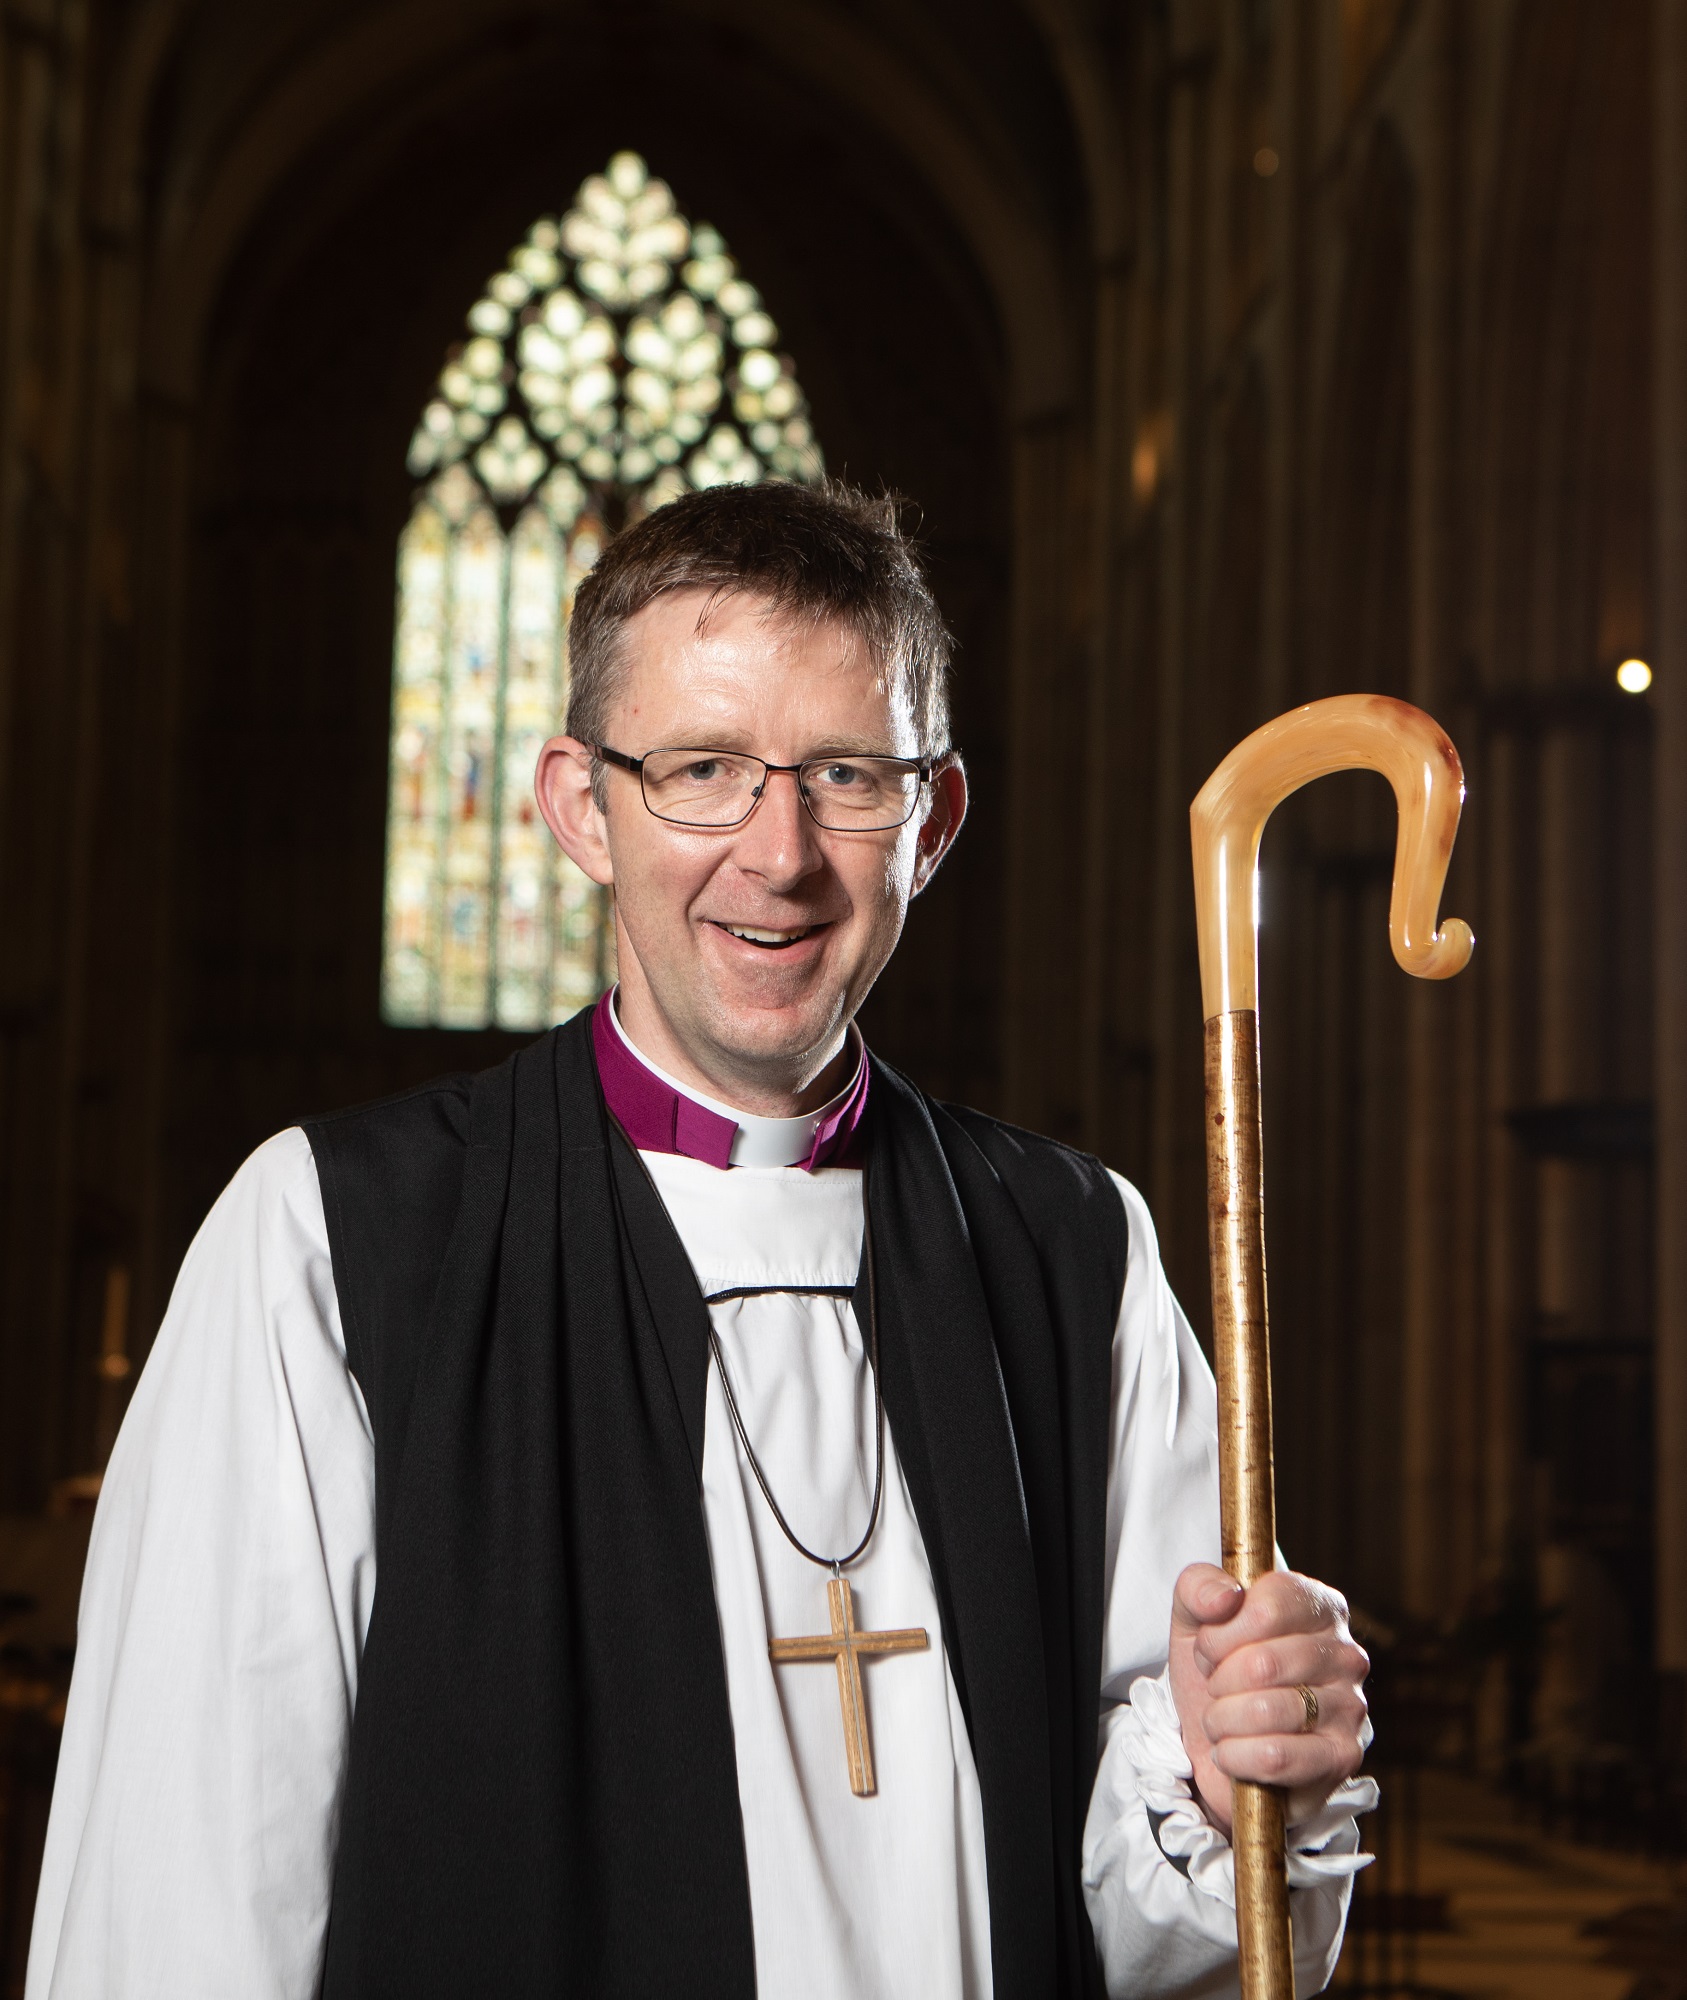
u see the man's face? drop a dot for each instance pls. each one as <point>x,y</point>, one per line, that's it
<point>749,949</point>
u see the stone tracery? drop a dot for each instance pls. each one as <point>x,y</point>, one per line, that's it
<point>619,359</point>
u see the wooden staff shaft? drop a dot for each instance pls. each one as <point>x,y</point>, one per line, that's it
<point>1242,1363</point>
<point>1354,731</point>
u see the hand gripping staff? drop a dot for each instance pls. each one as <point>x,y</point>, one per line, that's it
<point>1349,731</point>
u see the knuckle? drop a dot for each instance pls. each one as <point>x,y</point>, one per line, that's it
<point>1347,1764</point>
<point>1273,1590</point>
<point>1264,1666</point>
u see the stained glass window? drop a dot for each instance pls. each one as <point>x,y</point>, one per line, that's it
<point>617,360</point>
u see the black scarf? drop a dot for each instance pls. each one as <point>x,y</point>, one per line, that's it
<point>542,1797</point>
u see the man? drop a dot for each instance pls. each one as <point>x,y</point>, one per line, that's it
<point>793,1503</point>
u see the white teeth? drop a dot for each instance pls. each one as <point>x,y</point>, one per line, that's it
<point>766,937</point>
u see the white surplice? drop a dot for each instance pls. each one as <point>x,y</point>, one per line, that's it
<point>232,1571</point>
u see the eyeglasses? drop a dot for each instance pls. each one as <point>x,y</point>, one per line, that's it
<point>720,788</point>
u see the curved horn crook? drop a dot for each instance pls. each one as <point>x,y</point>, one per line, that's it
<point>1349,731</point>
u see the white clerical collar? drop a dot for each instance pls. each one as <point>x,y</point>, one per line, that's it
<point>759,1142</point>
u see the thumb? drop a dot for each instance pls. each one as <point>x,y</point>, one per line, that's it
<point>1205,1595</point>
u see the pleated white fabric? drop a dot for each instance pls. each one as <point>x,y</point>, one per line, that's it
<point>232,1570</point>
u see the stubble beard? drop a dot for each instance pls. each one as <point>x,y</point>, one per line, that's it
<point>779,1060</point>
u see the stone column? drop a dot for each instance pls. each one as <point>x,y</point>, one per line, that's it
<point>1049,671</point>
<point>1670,790</point>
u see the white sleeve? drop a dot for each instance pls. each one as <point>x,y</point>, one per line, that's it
<point>1167,1927</point>
<point>224,1607</point>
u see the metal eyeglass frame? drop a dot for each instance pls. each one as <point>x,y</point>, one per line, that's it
<point>622,762</point>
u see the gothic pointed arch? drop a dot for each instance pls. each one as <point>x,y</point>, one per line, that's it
<point>619,359</point>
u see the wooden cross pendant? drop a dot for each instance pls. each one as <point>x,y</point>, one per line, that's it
<point>846,1645</point>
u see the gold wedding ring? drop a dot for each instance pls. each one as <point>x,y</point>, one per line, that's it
<point>1308,1701</point>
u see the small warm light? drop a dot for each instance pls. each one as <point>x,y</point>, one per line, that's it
<point>1634,677</point>
<point>1150,454</point>
<point>1266,162</point>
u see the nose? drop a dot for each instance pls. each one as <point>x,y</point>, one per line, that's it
<point>777,841</point>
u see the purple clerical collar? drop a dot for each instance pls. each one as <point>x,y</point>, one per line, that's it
<point>660,1115</point>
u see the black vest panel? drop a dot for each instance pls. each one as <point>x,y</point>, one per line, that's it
<point>541,1797</point>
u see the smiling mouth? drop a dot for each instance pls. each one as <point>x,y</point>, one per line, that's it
<point>770,940</point>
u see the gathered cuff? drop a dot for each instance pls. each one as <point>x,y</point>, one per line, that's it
<point>1322,1849</point>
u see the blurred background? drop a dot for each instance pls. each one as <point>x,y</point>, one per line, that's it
<point>1232,353</point>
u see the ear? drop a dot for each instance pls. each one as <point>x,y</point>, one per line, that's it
<point>945,810</point>
<point>563,786</point>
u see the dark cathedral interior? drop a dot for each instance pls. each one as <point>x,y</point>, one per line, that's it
<point>1231,354</point>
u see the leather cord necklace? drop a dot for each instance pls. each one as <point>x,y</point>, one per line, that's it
<point>836,1564</point>
<point>846,1645</point>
